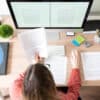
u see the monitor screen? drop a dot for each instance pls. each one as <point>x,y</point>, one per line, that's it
<point>58,14</point>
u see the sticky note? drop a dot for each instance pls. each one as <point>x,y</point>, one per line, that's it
<point>80,39</point>
<point>75,43</point>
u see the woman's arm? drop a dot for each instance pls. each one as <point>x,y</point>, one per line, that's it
<point>16,86</point>
<point>74,83</point>
<point>15,89</point>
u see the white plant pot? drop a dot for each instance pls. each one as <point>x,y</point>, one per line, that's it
<point>96,39</point>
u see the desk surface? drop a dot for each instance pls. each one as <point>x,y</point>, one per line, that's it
<point>17,61</point>
<point>95,47</point>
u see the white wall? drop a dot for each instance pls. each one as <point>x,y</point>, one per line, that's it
<point>95,7</point>
<point>4,8</point>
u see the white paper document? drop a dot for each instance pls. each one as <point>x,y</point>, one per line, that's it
<point>91,65</point>
<point>56,50</point>
<point>34,41</point>
<point>58,68</point>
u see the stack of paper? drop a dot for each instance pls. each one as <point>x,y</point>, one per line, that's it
<point>91,65</point>
<point>34,41</point>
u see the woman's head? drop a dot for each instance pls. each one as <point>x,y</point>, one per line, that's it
<point>38,84</point>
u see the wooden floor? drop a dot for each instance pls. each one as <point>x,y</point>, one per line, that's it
<point>90,93</point>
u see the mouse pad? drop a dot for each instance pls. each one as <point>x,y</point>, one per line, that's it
<point>3,57</point>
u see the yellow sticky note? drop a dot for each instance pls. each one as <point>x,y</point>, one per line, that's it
<point>80,39</point>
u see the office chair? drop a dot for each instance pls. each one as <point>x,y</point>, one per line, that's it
<point>64,90</point>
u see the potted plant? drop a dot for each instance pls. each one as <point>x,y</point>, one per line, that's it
<point>6,31</point>
<point>97,36</point>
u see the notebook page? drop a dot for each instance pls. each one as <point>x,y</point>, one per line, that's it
<point>58,68</point>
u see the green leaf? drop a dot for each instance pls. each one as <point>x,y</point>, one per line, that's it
<point>6,31</point>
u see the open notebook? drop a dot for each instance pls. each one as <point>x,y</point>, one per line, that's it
<point>57,63</point>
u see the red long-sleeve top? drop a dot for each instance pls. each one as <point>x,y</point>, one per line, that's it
<point>74,85</point>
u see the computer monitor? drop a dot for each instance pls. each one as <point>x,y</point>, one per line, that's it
<point>51,14</point>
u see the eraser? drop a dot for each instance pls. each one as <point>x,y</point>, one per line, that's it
<point>70,33</point>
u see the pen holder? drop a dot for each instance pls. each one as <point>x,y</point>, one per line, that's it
<point>97,36</point>
<point>96,39</point>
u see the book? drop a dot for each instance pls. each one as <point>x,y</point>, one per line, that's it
<point>33,41</point>
<point>3,57</point>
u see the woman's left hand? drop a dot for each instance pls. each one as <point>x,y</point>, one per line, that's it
<point>75,59</point>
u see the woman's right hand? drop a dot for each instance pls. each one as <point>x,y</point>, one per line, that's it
<point>38,59</point>
<point>75,59</point>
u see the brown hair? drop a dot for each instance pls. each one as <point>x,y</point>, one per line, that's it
<point>38,84</point>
